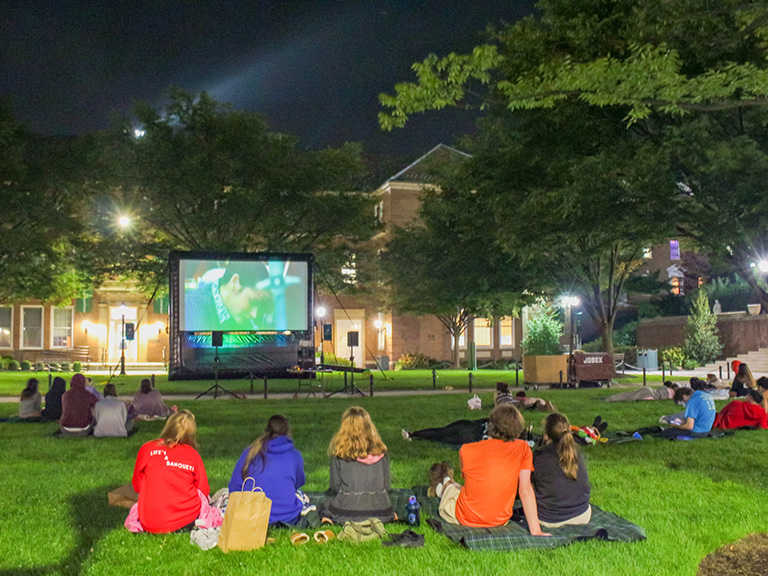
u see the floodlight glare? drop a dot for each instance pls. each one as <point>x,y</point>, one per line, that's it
<point>124,221</point>
<point>320,312</point>
<point>378,324</point>
<point>763,266</point>
<point>571,300</point>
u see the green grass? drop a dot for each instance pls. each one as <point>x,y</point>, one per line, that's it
<point>690,497</point>
<point>12,383</point>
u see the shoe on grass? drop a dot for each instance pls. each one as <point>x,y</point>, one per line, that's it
<point>406,435</point>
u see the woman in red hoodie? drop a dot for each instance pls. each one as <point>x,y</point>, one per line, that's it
<point>170,477</point>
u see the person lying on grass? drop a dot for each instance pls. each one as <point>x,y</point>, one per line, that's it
<point>560,479</point>
<point>666,392</point>
<point>360,478</point>
<point>31,402</point>
<point>747,413</point>
<point>170,477</point>
<point>494,470</point>
<point>465,431</point>
<point>697,420</point>
<point>276,467</point>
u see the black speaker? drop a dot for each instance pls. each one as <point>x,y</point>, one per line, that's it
<point>130,331</point>
<point>352,339</point>
<point>328,332</point>
<point>217,338</point>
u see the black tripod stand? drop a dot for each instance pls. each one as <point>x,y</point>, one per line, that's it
<point>217,388</point>
<point>352,388</point>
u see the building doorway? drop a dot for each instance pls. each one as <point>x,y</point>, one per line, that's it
<point>116,334</point>
<point>343,349</point>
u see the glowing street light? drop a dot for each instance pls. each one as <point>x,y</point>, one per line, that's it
<point>378,324</point>
<point>763,266</point>
<point>124,221</point>
<point>320,312</point>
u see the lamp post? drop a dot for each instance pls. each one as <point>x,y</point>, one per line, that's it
<point>321,314</point>
<point>122,339</point>
<point>570,302</point>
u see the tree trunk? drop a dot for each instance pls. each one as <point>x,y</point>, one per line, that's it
<point>456,351</point>
<point>606,333</point>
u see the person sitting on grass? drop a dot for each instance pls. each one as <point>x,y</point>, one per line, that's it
<point>170,478</point>
<point>494,471</point>
<point>360,478</point>
<point>31,402</point>
<point>762,387</point>
<point>52,410</point>
<point>742,382</point>
<point>697,420</point>
<point>148,402</point>
<point>111,415</point>
<point>749,413</point>
<point>77,408</point>
<point>666,392</point>
<point>560,479</point>
<point>276,467</point>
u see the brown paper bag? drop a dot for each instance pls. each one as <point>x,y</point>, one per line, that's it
<point>246,520</point>
<point>124,497</point>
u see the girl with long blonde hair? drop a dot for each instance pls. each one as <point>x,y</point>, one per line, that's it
<point>560,479</point>
<point>274,465</point>
<point>170,477</point>
<point>359,468</point>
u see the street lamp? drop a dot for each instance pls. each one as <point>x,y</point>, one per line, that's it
<point>122,339</point>
<point>321,314</point>
<point>124,221</point>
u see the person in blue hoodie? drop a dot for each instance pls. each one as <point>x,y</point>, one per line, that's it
<point>277,468</point>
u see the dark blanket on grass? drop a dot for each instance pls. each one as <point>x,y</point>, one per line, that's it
<point>515,535</point>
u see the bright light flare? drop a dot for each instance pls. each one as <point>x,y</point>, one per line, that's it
<point>570,300</point>
<point>320,312</point>
<point>124,221</point>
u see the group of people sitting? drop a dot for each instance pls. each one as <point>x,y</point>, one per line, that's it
<point>83,410</point>
<point>552,482</point>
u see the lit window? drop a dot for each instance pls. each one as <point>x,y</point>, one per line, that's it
<point>6,327</point>
<point>677,287</point>
<point>674,250</point>
<point>349,270</point>
<point>32,326</point>
<point>647,253</point>
<point>63,324</point>
<point>506,331</point>
<point>483,329</point>
<point>701,281</point>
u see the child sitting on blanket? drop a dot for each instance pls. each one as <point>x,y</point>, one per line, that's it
<point>494,470</point>
<point>560,479</point>
<point>359,471</point>
<point>276,467</point>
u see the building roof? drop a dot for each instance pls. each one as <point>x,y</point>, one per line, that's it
<point>421,170</point>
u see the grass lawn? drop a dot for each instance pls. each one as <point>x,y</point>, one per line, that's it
<point>690,497</point>
<point>12,383</point>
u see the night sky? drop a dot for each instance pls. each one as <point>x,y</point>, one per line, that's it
<point>314,69</point>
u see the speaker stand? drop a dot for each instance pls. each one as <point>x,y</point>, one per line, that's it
<point>217,388</point>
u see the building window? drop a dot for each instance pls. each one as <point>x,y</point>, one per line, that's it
<point>63,326</point>
<point>506,331</point>
<point>677,286</point>
<point>647,253</point>
<point>674,250</point>
<point>349,270</point>
<point>483,332</point>
<point>31,326</point>
<point>6,327</point>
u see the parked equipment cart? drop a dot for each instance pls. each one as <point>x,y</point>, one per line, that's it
<point>591,367</point>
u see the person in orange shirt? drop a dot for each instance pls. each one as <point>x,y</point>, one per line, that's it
<point>494,470</point>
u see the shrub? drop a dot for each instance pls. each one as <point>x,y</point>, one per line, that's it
<point>14,365</point>
<point>673,357</point>
<point>65,366</point>
<point>77,366</point>
<point>543,333</point>
<point>630,354</point>
<point>26,365</point>
<point>331,359</point>
<point>702,343</point>
<point>413,362</point>
<point>4,363</point>
<point>690,364</point>
<point>626,335</point>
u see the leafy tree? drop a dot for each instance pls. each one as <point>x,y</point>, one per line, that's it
<point>203,176</point>
<point>702,342</point>
<point>445,266</point>
<point>543,333</point>
<point>38,224</point>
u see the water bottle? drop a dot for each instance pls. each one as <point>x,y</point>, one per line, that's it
<point>413,511</point>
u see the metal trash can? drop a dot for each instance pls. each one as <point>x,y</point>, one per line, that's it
<point>382,362</point>
<point>648,359</point>
<point>592,366</point>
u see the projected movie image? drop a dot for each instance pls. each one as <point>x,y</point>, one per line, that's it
<point>240,295</point>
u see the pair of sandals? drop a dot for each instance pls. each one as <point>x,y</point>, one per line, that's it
<point>321,537</point>
<point>406,539</point>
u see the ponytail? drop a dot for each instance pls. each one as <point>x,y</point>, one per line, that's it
<point>277,425</point>
<point>558,430</point>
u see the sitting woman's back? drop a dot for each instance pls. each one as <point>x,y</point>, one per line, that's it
<point>276,467</point>
<point>148,402</point>
<point>53,399</point>
<point>30,403</point>
<point>560,479</point>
